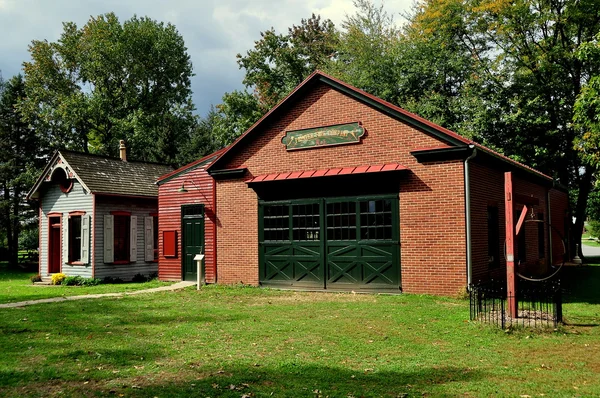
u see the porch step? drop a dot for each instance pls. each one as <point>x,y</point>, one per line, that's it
<point>43,283</point>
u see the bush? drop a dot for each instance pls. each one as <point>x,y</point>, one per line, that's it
<point>593,228</point>
<point>72,281</point>
<point>90,282</point>
<point>58,278</point>
<point>111,280</point>
<point>139,278</point>
<point>35,278</point>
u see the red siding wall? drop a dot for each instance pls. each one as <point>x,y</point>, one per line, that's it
<point>169,219</point>
<point>432,222</point>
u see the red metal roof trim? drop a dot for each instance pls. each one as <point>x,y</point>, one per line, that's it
<point>327,172</point>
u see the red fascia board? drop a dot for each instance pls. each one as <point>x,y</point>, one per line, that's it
<point>347,170</point>
<point>295,174</point>
<point>392,167</point>
<point>320,173</point>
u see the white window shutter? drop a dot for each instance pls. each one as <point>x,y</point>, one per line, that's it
<point>149,238</point>
<point>109,239</point>
<point>85,239</point>
<point>133,239</point>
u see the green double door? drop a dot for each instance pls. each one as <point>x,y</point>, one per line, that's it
<point>332,243</point>
<point>192,227</point>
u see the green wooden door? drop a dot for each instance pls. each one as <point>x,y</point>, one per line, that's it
<point>192,227</point>
<point>362,243</point>
<point>334,243</point>
<point>290,247</point>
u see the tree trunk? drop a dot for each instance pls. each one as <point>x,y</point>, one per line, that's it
<point>585,186</point>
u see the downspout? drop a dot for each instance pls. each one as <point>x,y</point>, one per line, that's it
<point>468,216</point>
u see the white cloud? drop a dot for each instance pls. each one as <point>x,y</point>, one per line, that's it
<point>214,30</point>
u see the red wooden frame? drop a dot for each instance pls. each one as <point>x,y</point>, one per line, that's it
<point>49,243</point>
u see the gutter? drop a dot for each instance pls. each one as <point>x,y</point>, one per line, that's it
<point>468,216</point>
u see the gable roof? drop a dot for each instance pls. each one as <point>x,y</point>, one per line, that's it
<point>442,133</point>
<point>202,162</point>
<point>106,175</point>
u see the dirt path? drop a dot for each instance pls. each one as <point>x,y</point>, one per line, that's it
<point>176,286</point>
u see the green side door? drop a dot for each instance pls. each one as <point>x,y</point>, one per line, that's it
<point>192,227</point>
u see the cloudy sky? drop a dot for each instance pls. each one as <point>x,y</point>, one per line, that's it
<point>214,30</point>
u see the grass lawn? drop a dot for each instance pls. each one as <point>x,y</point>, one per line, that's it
<point>587,240</point>
<point>16,286</point>
<point>250,342</point>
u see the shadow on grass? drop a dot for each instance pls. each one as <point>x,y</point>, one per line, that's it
<point>287,380</point>
<point>581,284</point>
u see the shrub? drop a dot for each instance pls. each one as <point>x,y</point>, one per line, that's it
<point>139,278</point>
<point>72,281</point>
<point>35,278</point>
<point>594,228</point>
<point>90,282</point>
<point>58,278</point>
<point>110,279</point>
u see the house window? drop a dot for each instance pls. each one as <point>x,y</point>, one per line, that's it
<point>74,239</point>
<point>493,236</point>
<point>122,228</point>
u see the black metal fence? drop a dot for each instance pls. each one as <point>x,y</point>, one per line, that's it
<point>539,304</point>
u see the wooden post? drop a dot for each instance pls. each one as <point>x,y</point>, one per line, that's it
<point>510,246</point>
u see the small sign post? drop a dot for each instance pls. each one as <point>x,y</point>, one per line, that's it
<point>198,259</point>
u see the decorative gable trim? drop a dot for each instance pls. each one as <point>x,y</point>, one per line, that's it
<point>56,162</point>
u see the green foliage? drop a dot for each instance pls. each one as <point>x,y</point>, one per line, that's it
<point>35,278</point>
<point>137,278</point>
<point>80,281</point>
<point>29,239</point>
<point>587,107</point>
<point>21,158</point>
<point>72,281</point>
<point>109,81</point>
<point>593,228</point>
<point>238,111</point>
<point>279,62</point>
<point>58,278</point>
<point>90,282</point>
<point>111,280</point>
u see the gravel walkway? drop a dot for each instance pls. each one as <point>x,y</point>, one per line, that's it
<point>175,286</point>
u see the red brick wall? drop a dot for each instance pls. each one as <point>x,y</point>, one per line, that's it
<point>432,225</point>
<point>169,219</point>
<point>487,189</point>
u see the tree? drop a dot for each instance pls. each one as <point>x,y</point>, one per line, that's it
<point>238,111</point>
<point>21,158</point>
<point>202,140</point>
<point>109,81</point>
<point>527,52</point>
<point>278,62</point>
